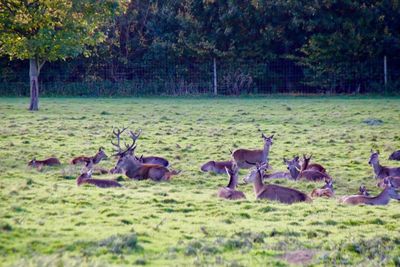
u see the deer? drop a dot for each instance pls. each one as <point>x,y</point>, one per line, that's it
<point>241,156</point>
<point>379,170</point>
<point>100,155</point>
<point>134,169</point>
<point>395,180</point>
<point>230,192</point>
<point>362,190</point>
<point>325,191</point>
<point>271,191</point>
<point>285,175</point>
<point>383,198</point>
<point>310,175</point>
<point>86,178</point>
<point>147,160</point>
<point>311,167</point>
<point>218,167</point>
<point>395,155</point>
<point>38,164</point>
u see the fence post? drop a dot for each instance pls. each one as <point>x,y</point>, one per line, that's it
<point>385,70</point>
<point>215,75</point>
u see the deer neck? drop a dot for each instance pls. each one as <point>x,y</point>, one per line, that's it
<point>97,158</point>
<point>383,198</point>
<point>304,165</point>
<point>294,172</point>
<point>132,165</point>
<point>232,181</point>
<point>265,153</point>
<point>377,167</point>
<point>258,183</point>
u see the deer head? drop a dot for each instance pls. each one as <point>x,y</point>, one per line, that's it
<point>374,158</point>
<point>209,166</point>
<point>293,166</point>
<point>258,170</point>
<point>267,139</point>
<point>32,163</point>
<point>391,189</point>
<point>363,190</point>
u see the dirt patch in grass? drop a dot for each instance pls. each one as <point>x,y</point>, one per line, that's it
<point>300,257</point>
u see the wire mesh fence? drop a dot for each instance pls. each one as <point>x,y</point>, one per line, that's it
<point>191,77</point>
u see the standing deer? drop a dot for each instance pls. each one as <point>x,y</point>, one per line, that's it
<point>395,180</point>
<point>230,192</point>
<point>313,166</point>
<point>309,175</point>
<point>379,170</point>
<point>382,199</point>
<point>274,192</point>
<point>38,164</point>
<point>134,169</point>
<point>95,159</point>
<point>363,190</point>
<point>217,166</point>
<point>325,191</point>
<point>241,156</point>
<point>395,155</point>
<point>86,178</point>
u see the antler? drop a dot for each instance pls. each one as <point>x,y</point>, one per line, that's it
<point>117,134</point>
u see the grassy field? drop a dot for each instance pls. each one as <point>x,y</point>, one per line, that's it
<point>45,219</point>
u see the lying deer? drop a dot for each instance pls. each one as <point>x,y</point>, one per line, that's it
<point>311,167</point>
<point>325,191</point>
<point>240,156</point>
<point>382,199</point>
<point>395,155</point>
<point>217,166</point>
<point>134,169</point>
<point>95,159</point>
<point>363,190</point>
<point>379,170</point>
<point>394,180</point>
<point>86,178</point>
<point>230,192</point>
<point>286,175</point>
<point>274,192</point>
<point>309,175</point>
<point>39,164</point>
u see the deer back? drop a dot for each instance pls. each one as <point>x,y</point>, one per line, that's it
<point>283,194</point>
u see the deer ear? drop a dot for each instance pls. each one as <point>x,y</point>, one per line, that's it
<point>296,158</point>
<point>372,151</point>
<point>263,135</point>
<point>377,152</point>
<point>272,136</point>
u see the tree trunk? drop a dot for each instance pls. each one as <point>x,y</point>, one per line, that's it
<point>34,71</point>
<point>215,76</point>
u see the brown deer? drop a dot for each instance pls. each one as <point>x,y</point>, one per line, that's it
<point>274,192</point>
<point>363,190</point>
<point>39,164</point>
<point>86,160</point>
<point>382,199</point>
<point>285,175</point>
<point>379,170</point>
<point>241,156</point>
<point>147,160</point>
<point>395,180</point>
<point>134,169</point>
<point>325,191</point>
<point>313,166</point>
<point>309,175</point>
<point>86,178</point>
<point>217,166</point>
<point>230,192</point>
<point>395,155</point>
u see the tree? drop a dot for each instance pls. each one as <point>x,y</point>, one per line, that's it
<point>50,30</point>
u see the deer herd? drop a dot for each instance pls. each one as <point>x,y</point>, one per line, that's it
<point>257,160</point>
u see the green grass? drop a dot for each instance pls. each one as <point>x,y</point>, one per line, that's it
<point>45,219</point>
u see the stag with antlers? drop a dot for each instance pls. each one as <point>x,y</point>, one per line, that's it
<point>134,167</point>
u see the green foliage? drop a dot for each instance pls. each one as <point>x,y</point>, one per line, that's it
<point>50,30</point>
